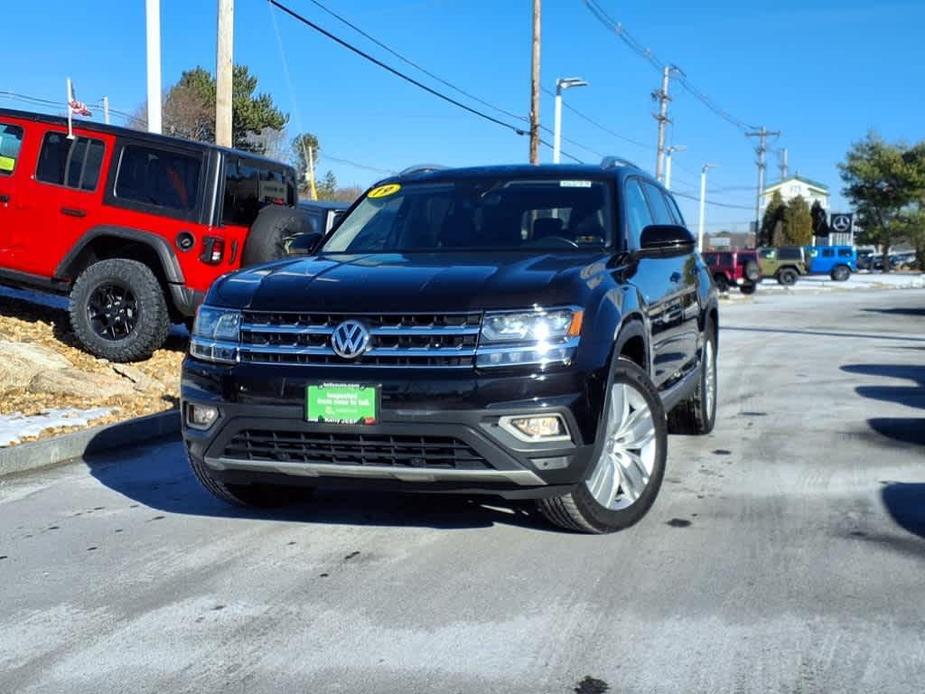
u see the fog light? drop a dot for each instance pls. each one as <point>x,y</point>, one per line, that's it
<point>536,428</point>
<point>201,416</point>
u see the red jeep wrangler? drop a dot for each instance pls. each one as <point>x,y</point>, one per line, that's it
<point>134,226</point>
<point>734,269</point>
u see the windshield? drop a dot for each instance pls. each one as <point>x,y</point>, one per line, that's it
<point>478,214</point>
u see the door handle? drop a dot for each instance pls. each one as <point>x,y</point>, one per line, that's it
<point>73,212</point>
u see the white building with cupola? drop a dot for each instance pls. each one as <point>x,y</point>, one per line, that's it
<point>794,186</point>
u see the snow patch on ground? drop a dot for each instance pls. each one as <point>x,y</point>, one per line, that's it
<point>13,427</point>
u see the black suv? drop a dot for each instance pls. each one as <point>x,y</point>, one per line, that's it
<point>526,332</point>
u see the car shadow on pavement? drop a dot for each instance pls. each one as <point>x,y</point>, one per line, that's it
<point>906,430</point>
<point>158,476</point>
<point>823,333</point>
<point>906,505</point>
<point>903,311</point>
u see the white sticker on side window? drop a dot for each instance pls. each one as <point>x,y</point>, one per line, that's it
<point>575,184</point>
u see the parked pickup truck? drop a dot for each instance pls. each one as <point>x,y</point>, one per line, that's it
<point>134,227</point>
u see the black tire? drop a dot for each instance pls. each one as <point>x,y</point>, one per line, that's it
<point>248,495</point>
<point>149,315</point>
<point>752,271</point>
<point>748,288</point>
<point>722,284</point>
<point>578,510</point>
<point>787,277</point>
<point>697,415</point>
<point>274,226</point>
<point>840,273</point>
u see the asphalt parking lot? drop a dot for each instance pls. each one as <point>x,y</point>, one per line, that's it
<point>786,553</point>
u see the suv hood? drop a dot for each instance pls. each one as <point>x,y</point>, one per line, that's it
<point>392,282</point>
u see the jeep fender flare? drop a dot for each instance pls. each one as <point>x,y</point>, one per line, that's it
<point>183,298</point>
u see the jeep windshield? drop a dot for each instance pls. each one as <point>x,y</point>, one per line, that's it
<point>488,213</point>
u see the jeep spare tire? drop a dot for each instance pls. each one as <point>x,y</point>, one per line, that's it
<point>274,226</point>
<point>752,271</point>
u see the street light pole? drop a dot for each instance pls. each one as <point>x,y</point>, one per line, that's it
<point>562,84</point>
<point>703,203</point>
<point>668,152</point>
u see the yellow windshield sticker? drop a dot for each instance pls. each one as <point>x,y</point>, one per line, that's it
<point>7,163</point>
<point>384,191</point>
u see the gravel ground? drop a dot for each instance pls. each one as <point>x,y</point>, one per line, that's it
<point>42,319</point>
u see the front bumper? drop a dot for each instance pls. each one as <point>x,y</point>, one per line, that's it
<point>433,435</point>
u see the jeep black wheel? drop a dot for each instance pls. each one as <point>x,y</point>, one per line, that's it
<point>118,310</point>
<point>722,284</point>
<point>748,288</point>
<point>840,273</point>
<point>629,462</point>
<point>697,415</point>
<point>787,277</point>
<point>248,495</point>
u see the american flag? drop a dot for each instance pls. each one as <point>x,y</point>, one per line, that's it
<point>78,108</point>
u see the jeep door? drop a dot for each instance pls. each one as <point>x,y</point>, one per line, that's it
<point>12,170</point>
<point>668,286</point>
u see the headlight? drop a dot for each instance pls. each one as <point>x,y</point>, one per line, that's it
<point>529,337</point>
<point>533,326</point>
<point>215,334</point>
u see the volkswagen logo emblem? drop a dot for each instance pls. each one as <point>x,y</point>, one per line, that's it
<point>350,339</point>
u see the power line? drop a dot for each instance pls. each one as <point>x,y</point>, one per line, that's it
<point>415,65</point>
<point>598,125</point>
<point>690,196</point>
<point>646,54</point>
<point>411,80</point>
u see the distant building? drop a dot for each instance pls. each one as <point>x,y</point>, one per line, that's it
<point>791,187</point>
<point>725,240</point>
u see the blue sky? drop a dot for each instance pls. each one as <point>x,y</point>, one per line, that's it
<point>821,72</point>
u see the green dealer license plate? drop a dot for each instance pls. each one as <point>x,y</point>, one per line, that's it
<point>342,403</point>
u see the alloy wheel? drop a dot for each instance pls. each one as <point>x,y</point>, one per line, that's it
<point>626,462</point>
<point>112,311</point>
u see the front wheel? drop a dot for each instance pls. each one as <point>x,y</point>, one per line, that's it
<point>748,288</point>
<point>248,495</point>
<point>722,284</point>
<point>841,273</point>
<point>625,476</point>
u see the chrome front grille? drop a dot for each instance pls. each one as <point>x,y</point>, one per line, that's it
<point>403,340</point>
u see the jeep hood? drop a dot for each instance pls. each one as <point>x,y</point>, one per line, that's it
<point>392,282</point>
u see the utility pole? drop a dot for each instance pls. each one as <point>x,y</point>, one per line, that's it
<point>782,163</point>
<point>669,152</point>
<point>762,149</point>
<point>153,39</point>
<point>535,87</point>
<point>106,110</point>
<point>224,71</point>
<point>662,117</point>
<point>703,203</point>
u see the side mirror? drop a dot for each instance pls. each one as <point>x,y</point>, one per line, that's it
<point>665,241</point>
<point>303,244</point>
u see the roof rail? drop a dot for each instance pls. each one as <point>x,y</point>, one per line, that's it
<point>613,162</point>
<point>421,168</point>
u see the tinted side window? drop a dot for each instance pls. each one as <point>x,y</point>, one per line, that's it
<point>828,253</point>
<point>790,254</point>
<point>638,215</point>
<point>844,252</point>
<point>660,211</point>
<point>249,187</point>
<point>675,210</point>
<point>73,163</point>
<point>10,142</point>
<point>158,177</point>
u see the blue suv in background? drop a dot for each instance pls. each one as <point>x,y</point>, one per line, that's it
<point>836,261</point>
